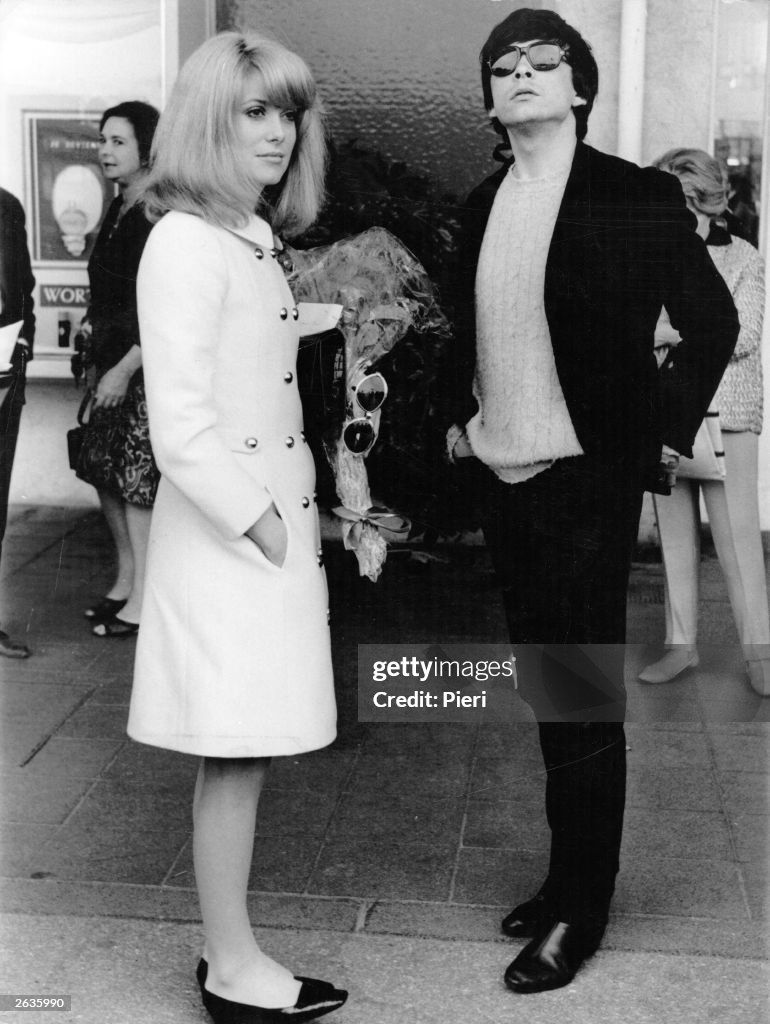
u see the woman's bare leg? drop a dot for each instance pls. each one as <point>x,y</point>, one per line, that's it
<point>138,520</point>
<point>224,812</point>
<point>114,509</point>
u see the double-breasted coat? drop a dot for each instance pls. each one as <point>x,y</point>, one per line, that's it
<point>233,655</point>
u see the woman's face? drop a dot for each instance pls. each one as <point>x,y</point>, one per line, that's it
<point>119,151</point>
<point>265,135</point>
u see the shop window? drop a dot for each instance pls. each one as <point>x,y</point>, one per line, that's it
<point>739,109</point>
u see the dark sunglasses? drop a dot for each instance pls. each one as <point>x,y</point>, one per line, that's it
<point>541,57</point>
<point>369,394</point>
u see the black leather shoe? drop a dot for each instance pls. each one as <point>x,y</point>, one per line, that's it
<point>315,999</point>
<point>528,918</point>
<point>553,957</point>
<point>11,649</point>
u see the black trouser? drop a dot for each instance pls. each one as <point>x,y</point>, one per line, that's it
<point>10,416</point>
<point>561,544</point>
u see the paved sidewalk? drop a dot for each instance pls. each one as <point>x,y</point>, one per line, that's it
<point>383,862</point>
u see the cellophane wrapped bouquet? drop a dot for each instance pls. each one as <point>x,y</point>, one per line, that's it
<point>384,292</point>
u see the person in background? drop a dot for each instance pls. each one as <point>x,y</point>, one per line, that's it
<point>740,215</point>
<point>16,304</point>
<point>562,419</point>
<point>233,659</point>
<point>732,504</point>
<point>117,457</point>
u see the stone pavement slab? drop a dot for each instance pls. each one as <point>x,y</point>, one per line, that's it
<point>140,972</point>
<point>391,856</point>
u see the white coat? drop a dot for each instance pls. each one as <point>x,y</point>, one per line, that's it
<point>233,656</point>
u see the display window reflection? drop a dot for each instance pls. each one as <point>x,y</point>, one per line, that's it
<point>739,109</point>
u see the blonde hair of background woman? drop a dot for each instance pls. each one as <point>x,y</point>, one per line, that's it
<point>193,168</point>
<point>701,177</point>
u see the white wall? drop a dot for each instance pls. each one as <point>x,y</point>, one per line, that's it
<point>79,56</point>
<point>82,56</point>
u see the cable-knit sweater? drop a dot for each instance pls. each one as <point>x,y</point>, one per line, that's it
<point>522,424</point>
<point>739,395</point>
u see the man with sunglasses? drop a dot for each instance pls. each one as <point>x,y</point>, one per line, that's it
<point>562,421</point>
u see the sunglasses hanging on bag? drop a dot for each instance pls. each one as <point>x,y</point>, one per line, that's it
<point>359,432</point>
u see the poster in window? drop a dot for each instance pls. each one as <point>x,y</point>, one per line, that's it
<point>68,193</point>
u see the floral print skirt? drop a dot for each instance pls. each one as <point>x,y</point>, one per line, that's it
<point>116,455</point>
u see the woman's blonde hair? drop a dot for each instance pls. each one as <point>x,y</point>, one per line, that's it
<point>701,177</point>
<point>193,165</point>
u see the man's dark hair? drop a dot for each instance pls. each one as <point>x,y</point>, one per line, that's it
<point>142,117</point>
<point>526,24</point>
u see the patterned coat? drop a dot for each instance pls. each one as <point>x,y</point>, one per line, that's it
<point>739,395</point>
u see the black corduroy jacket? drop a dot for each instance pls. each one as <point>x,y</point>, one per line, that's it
<point>623,246</point>
<point>16,280</point>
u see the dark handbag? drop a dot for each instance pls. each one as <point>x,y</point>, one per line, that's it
<point>708,452</point>
<point>407,467</point>
<point>321,384</point>
<point>76,436</point>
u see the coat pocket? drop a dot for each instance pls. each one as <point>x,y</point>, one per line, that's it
<point>257,550</point>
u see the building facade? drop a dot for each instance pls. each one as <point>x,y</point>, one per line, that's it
<point>398,78</point>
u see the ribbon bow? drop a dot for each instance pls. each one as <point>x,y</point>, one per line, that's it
<point>366,533</point>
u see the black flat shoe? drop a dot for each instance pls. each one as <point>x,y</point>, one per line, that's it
<point>115,627</point>
<point>104,609</point>
<point>553,957</point>
<point>12,648</point>
<point>316,998</point>
<point>528,918</point>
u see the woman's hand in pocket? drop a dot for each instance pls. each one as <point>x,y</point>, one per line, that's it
<point>269,534</point>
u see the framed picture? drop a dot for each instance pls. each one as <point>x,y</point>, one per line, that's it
<point>68,194</point>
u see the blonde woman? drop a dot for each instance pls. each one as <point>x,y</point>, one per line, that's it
<point>732,505</point>
<point>233,659</point>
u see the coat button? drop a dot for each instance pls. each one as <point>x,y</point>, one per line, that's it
<point>284,314</point>
<point>306,502</point>
<point>259,254</point>
<point>295,313</point>
<point>251,442</point>
<point>321,560</point>
<point>289,442</point>
<point>302,435</point>
<point>328,616</point>
<point>288,376</point>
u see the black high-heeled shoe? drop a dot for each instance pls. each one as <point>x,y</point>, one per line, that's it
<point>316,998</point>
<point>104,608</point>
<point>115,627</point>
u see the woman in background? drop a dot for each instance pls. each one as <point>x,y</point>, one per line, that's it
<point>233,659</point>
<point>117,458</point>
<point>732,505</point>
